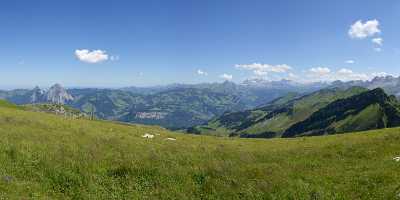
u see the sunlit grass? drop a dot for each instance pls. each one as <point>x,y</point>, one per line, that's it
<point>44,156</point>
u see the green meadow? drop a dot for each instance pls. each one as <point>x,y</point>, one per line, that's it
<point>44,156</point>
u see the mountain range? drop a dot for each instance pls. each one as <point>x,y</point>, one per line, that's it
<point>174,106</point>
<point>180,106</point>
<point>390,84</point>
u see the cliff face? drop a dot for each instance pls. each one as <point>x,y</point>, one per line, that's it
<point>57,94</point>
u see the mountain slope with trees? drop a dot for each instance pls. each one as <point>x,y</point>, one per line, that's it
<point>369,110</point>
<point>273,119</point>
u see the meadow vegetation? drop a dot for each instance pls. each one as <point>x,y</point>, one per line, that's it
<point>44,156</point>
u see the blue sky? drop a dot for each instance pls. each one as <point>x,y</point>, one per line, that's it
<point>122,43</point>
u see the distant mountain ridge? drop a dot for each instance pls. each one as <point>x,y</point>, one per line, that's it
<point>191,105</point>
<point>253,92</point>
<point>55,94</point>
<point>173,106</point>
<point>390,84</point>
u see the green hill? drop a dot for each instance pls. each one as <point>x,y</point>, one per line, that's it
<point>274,118</point>
<point>369,110</point>
<point>44,156</point>
<point>6,104</point>
<point>57,109</point>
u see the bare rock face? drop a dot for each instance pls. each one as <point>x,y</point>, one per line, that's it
<point>37,95</point>
<point>57,94</point>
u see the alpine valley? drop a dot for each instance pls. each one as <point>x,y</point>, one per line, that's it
<point>174,106</point>
<point>253,108</point>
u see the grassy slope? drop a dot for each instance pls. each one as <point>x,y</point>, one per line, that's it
<point>54,109</point>
<point>369,110</point>
<point>44,156</point>
<point>302,108</point>
<point>297,109</point>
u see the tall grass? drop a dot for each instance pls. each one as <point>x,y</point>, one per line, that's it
<point>43,156</point>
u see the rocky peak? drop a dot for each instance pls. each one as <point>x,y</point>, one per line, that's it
<point>57,94</point>
<point>383,81</point>
<point>37,95</point>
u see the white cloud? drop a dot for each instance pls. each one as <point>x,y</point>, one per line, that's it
<point>378,49</point>
<point>377,41</point>
<point>201,72</point>
<point>348,74</point>
<point>350,61</point>
<point>293,77</point>
<point>95,56</point>
<point>320,71</point>
<point>354,76</point>
<point>380,74</point>
<point>362,30</point>
<point>260,73</point>
<point>263,69</point>
<point>227,77</point>
<point>325,74</point>
<point>343,74</point>
<point>345,71</point>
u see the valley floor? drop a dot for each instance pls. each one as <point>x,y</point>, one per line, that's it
<point>44,156</point>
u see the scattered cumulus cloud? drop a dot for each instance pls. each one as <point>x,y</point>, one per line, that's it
<point>95,56</point>
<point>377,41</point>
<point>380,74</point>
<point>343,74</point>
<point>260,69</point>
<point>292,76</point>
<point>315,74</point>
<point>201,72</point>
<point>360,30</point>
<point>226,77</point>
<point>348,74</point>
<point>320,71</point>
<point>260,73</point>
<point>345,71</point>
